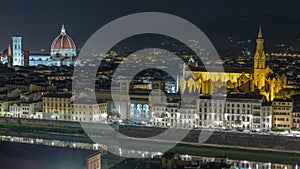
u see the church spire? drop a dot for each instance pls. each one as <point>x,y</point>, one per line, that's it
<point>260,33</point>
<point>259,41</point>
<point>63,30</point>
<point>260,57</point>
<point>259,63</point>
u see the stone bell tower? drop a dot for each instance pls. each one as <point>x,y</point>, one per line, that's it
<point>259,63</point>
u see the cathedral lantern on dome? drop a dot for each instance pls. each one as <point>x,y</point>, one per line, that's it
<point>63,49</point>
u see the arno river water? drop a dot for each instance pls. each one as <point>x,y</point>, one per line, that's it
<point>33,153</point>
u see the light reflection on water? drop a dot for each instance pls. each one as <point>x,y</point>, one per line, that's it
<point>57,143</point>
<point>78,145</point>
<point>235,164</point>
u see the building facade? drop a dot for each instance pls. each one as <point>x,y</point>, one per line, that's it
<point>296,118</point>
<point>57,106</point>
<point>234,111</point>
<point>63,107</point>
<point>282,113</point>
<point>266,116</point>
<point>86,111</point>
<point>94,161</point>
<point>171,115</point>
<point>189,117</point>
<point>40,59</point>
<point>243,111</point>
<point>25,109</point>
<point>5,106</point>
<point>211,111</point>
<point>166,115</point>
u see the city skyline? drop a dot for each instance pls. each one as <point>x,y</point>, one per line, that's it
<point>149,84</point>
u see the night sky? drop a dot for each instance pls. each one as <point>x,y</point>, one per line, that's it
<point>39,21</point>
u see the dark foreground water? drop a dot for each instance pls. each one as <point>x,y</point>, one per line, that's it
<point>32,156</point>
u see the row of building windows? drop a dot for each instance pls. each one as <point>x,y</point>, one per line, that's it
<point>91,113</point>
<point>57,104</point>
<point>210,110</point>
<point>215,104</point>
<point>281,113</point>
<point>164,121</point>
<point>282,103</point>
<point>296,120</point>
<point>266,109</point>
<point>266,114</point>
<point>56,99</point>
<point>216,117</point>
<point>72,112</point>
<point>95,106</point>
<point>281,119</point>
<point>296,115</point>
<point>282,125</point>
<point>237,111</point>
<point>210,117</point>
<point>238,105</point>
<point>68,105</point>
<point>172,110</point>
<point>282,108</point>
<point>243,118</point>
<point>79,118</point>
<point>204,116</point>
<point>165,109</point>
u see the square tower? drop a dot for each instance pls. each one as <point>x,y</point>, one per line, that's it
<point>17,51</point>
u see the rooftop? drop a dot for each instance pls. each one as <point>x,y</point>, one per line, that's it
<point>267,104</point>
<point>226,69</point>
<point>58,95</point>
<point>217,97</point>
<point>282,100</point>
<point>244,96</point>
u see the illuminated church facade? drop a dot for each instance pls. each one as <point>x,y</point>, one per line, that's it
<point>258,79</point>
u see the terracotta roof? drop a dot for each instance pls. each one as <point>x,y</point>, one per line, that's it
<point>63,42</point>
